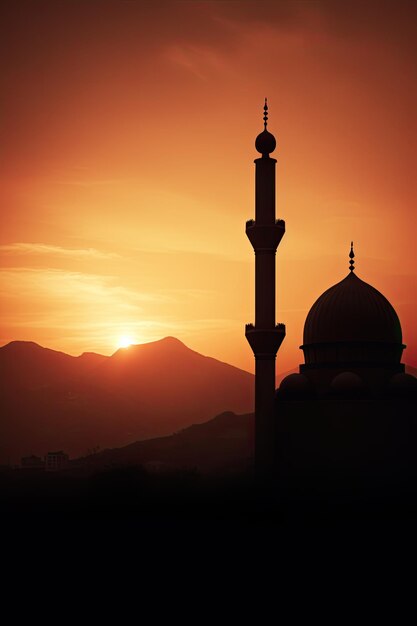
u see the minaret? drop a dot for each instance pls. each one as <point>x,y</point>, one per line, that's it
<point>265,337</point>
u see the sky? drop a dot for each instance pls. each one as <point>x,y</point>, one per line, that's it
<point>127,175</point>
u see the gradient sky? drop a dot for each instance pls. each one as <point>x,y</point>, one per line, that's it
<point>127,148</point>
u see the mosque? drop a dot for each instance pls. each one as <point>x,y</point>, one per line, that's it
<point>351,410</point>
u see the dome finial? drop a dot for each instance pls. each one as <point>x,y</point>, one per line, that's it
<point>351,256</point>
<point>265,113</point>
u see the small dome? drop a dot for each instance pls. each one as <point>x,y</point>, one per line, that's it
<point>295,387</point>
<point>347,382</point>
<point>265,143</point>
<point>403,382</point>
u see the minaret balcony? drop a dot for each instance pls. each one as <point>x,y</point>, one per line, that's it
<point>265,342</point>
<point>265,236</point>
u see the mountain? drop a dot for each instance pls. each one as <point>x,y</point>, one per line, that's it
<point>222,443</point>
<point>51,400</point>
<point>26,365</point>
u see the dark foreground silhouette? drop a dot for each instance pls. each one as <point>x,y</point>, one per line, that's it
<point>189,499</point>
<point>187,530</point>
<point>334,468</point>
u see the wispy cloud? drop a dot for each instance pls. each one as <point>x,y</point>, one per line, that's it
<point>89,183</point>
<point>91,311</point>
<point>197,59</point>
<point>84,310</point>
<point>74,286</point>
<point>43,248</point>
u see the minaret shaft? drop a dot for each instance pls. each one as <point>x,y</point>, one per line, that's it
<point>265,191</point>
<point>264,415</point>
<point>265,289</point>
<point>265,247</point>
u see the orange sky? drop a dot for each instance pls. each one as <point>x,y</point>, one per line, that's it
<point>127,133</point>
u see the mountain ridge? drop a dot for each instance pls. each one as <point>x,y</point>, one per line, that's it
<point>52,400</point>
<point>223,443</point>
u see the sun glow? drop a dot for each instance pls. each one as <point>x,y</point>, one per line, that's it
<point>124,342</point>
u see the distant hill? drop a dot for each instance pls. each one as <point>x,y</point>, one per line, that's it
<point>51,400</point>
<point>224,443</point>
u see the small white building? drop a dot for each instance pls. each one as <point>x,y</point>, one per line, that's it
<point>55,461</point>
<point>32,462</point>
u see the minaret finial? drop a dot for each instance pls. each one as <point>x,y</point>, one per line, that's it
<point>265,142</point>
<point>351,256</point>
<point>265,113</point>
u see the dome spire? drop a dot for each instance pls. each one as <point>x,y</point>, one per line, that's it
<point>351,256</point>
<point>266,113</point>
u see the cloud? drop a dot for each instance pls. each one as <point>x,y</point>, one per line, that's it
<point>85,310</point>
<point>89,183</point>
<point>196,59</point>
<point>92,311</point>
<point>71,293</point>
<point>43,248</point>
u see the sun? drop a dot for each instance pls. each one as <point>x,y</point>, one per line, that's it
<point>124,342</point>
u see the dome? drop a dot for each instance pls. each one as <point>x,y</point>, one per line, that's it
<point>352,310</point>
<point>295,387</point>
<point>352,322</point>
<point>347,382</point>
<point>403,382</point>
<point>265,143</point>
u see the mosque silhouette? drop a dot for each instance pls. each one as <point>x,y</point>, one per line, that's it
<point>351,411</point>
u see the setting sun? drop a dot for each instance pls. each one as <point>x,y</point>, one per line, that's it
<point>124,342</point>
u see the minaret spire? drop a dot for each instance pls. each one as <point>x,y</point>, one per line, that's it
<point>265,113</point>
<point>351,256</point>
<point>265,336</point>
